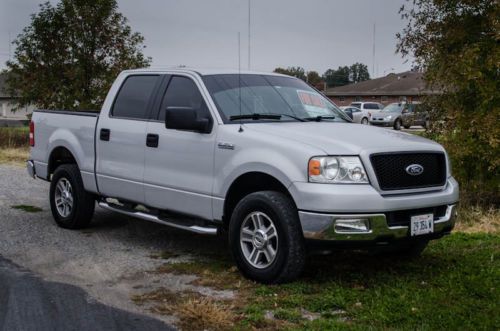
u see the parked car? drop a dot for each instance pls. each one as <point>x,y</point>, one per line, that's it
<point>366,109</point>
<point>357,115</point>
<point>392,115</point>
<point>263,157</point>
<point>415,114</point>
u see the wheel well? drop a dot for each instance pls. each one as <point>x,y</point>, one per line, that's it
<point>59,156</point>
<point>249,183</point>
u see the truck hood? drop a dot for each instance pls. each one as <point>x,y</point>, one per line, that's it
<point>345,138</point>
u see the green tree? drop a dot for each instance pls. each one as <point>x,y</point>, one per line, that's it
<point>70,54</point>
<point>456,44</point>
<point>314,78</point>
<point>358,72</point>
<point>298,72</point>
<point>339,77</point>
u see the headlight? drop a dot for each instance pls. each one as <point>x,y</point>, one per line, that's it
<point>388,117</point>
<point>337,169</point>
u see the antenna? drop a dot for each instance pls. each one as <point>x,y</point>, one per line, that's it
<point>249,21</point>
<point>239,79</point>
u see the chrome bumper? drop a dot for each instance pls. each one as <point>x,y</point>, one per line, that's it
<point>326,226</point>
<point>30,167</point>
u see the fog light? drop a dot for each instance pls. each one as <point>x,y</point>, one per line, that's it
<point>354,225</point>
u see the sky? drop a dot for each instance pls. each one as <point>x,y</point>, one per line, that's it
<point>314,34</point>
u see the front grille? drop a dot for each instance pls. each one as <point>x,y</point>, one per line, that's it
<point>402,217</point>
<point>390,169</point>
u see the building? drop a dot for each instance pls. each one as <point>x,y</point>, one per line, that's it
<point>407,86</point>
<point>8,104</point>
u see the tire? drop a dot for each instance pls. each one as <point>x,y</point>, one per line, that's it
<point>397,124</point>
<point>364,121</point>
<point>75,206</point>
<point>427,124</point>
<point>267,208</point>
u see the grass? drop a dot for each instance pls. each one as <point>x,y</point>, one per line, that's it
<point>14,156</point>
<point>14,137</point>
<point>454,285</point>
<point>28,208</point>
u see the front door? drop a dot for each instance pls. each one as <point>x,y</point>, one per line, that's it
<point>179,168</point>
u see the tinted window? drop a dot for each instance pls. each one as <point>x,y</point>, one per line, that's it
<point>371,106</point>
<point>183,92</point>
<point>133,97</point>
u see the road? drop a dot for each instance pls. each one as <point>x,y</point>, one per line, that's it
<point>106,263</point>
<point>30,303</point>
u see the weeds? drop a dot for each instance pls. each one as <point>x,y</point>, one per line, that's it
<point>28,208</point>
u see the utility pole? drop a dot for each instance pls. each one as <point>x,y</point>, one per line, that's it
<point>249,26</point>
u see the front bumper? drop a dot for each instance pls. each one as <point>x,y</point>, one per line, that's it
<point>319,226</point>
<point>382,122</point>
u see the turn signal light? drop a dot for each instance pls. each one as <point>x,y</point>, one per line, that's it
<point>314,167</point>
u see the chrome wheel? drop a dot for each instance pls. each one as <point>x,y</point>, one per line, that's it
<point>259,240</point>
<point>64,197</point>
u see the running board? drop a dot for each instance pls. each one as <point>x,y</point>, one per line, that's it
<point>156,219</point>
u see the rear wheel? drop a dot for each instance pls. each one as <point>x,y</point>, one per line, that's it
<point>364,121</point>
<point>266,238</point>
<point>72,207</point>
<point>397,124</point>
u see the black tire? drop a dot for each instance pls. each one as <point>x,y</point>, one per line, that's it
<point>364,121</point>
<point>397,124</point>
<point>83,203</point>
<point>427,124</point>
<point>290,253</point>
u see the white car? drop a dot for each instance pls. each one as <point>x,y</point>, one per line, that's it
<point>361,111</point>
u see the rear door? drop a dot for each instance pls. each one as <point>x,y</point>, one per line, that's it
<point>179,167</point>
<point>121,139</point>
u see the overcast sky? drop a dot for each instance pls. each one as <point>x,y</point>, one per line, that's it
<point>314,34</point>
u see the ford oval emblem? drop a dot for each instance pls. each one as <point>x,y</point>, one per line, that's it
<point>414,169</point>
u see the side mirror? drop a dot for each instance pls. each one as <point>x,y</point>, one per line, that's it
<point>186,118</point>
<point>348,112</point>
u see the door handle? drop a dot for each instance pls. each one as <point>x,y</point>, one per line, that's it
<point>152,140</point>
<point>104,134</point>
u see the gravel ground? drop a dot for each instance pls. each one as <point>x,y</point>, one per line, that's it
<point>110,260</point>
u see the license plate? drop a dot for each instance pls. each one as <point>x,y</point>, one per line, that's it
<point>422,224</point>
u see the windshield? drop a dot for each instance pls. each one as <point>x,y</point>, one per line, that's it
<point>267,94</point>
<point>393,107</point>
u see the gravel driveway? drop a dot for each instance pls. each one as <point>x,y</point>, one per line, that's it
<point>110,260</point>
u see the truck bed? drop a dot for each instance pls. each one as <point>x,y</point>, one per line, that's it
<point>73,130</point>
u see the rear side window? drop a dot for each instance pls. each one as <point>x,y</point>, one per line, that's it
<point>371,106</point>
<point>134,95</point>
<point>182,92</point>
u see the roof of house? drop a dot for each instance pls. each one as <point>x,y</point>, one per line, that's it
<point>401,84</point>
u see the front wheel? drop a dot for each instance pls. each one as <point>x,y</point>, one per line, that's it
<point>266,238</point>
<point>364,121</point>
<point>72,207</point>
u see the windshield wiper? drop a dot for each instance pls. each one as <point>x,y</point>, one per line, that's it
<point>319,118</point>
<point>259,116</point>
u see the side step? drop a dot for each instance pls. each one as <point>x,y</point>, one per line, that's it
<point>148,217</point>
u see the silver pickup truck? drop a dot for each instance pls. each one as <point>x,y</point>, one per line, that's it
<point>262,158</point>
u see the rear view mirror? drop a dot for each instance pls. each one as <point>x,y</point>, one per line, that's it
<point>186,118</point>
<point>348,112</point>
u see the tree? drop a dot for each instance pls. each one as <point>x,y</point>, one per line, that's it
<point>70,54</point>
<point>298,72</point>
<point>339,77</point>
<point>455,42</point>
<point>358,72</point>
<point>314,78</point>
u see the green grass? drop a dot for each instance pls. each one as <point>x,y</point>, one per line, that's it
<point>453,286</point>
<point>28,208</point>
<point>14,137</point>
